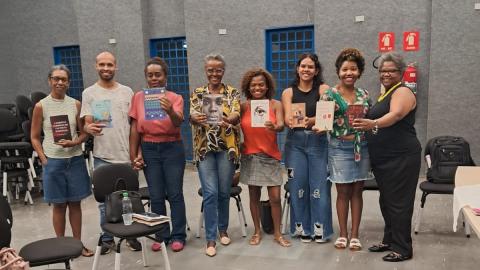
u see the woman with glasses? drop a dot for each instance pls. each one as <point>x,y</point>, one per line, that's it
<point>215,114</point>
<point>395,155</point>
<point>306,155</point>
<point>155,142</point>
<point>65,177</point>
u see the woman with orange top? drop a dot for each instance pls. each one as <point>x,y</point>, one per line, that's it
<point>260,161</point>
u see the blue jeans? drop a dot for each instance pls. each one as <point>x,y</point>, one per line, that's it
<point>101,206</point>
<point>165,166</point>
<point>216,173</point>
<point>306,156</point>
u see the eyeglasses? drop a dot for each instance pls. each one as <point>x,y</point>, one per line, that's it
<point>58,79</point>
<point>391,71</point>
<point>211,71</point>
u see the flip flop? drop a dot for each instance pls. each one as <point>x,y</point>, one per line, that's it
<point>282,241</point>
<point>87,252</point>
<point>255,239</point>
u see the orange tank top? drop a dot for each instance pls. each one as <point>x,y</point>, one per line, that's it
<point>259,139</point>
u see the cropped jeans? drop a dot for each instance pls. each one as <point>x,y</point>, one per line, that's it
<point>306,155</point>
<point>216,173</point>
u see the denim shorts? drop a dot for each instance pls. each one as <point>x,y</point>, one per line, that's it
<point>65,180</point>
<point>341,162</point>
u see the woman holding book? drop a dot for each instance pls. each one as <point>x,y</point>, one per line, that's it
<point>65,177</point>
<point>260,161</point>
<point>395,156</point>
<point>306,155</point>
<point>348,160</point>
<point>156,146</point>
<point>215,146</point>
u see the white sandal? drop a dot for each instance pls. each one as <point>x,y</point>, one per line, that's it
<point>355,244</point>
<point>341,243</point>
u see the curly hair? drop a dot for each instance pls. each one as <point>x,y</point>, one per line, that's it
<point>254,72</point>
<point>157,61</point>
<point>318,79</point>
<point>350,54</point>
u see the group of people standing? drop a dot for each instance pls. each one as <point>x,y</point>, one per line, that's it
<point>314,158</point>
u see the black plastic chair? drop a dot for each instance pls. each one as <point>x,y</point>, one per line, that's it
<point>285,208</point>
<point>42,252</point>
<point>104,179</point>
<point>36,97</point>
<point>234,194</point>
<point>22,103</point>
<point>9,127</point>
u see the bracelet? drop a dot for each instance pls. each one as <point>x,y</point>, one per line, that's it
<point>375,128</point>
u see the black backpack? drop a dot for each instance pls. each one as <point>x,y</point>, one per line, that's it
<point>446,153</point>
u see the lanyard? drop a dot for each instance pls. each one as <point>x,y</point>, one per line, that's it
<point>382,97</point>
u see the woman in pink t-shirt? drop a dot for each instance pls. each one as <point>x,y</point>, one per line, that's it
<point>156,146</point>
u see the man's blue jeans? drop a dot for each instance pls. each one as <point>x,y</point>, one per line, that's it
<point>165,166</point>
<point>306,155</point>
<point>216,173</point>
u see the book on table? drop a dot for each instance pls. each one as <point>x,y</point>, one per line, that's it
<point>102,112</point>
<point>259,110</point>
<point>60,128</point>
<point>324,115</point>
<point>152,105</point>
<point>355,111</point>
<point>298,114</point>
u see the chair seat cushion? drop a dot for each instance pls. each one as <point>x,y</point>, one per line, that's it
<point>131,231</point>
<point>234,191</point>
<point>52,250</point>
<point>370,185</point>
<point>430,187</point>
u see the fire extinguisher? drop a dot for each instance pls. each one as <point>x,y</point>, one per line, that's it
<point>410,76</point>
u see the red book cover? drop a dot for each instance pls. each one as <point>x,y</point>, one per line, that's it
<point>60,128</point>
<point>355,111</point>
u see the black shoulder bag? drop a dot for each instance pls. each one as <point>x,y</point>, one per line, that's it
<point>113,202</point>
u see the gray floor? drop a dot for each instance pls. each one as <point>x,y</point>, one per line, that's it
<point>435,247</point>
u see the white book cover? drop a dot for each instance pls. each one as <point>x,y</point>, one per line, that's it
<point>259,110</point>
<point>324,115</point>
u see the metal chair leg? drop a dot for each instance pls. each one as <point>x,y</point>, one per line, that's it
<point>200,222</point>
<point>97,254</point>
<point>144,253</point>
<point>165,256</point>
<point>420,212</point>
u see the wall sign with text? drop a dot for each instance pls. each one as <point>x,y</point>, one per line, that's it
<point>386,41</point>
<point>411,41</point>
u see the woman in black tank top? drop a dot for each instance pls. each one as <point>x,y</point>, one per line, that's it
<point>306,155</point>
<point>395,157</point>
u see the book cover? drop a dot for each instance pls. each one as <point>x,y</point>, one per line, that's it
<point>60,128</point>
<point>212,107</point>
<point>324,115</point>
<point>355,111</point>
<point>259,110</point>
<point>102,112</point>
<point>298,114</point>
<point>153,109</point>
<point>150,223</point>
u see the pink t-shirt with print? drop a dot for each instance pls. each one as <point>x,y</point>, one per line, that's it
<point>156,130</point>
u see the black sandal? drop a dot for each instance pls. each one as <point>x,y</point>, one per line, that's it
<point>395,257</point>
<point>379,248</point>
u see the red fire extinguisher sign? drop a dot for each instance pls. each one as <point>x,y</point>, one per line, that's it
<point>411,41</point>
<point>386,41</point>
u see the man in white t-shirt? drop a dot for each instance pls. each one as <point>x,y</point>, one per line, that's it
<point>105,107</point>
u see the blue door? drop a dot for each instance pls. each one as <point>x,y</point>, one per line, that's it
<point>70,56</point>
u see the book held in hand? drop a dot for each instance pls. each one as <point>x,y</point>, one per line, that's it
<point>324,115</point>
<point>60,128</point>
<point>259,110</point>
<point>153,108</point>
<point>102,112</point>
<point>298,114</point>
<point>212,107</point>
<point>355,111</point>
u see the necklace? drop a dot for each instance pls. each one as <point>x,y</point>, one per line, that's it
<point>382,97</point>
